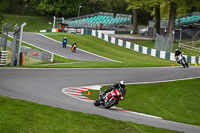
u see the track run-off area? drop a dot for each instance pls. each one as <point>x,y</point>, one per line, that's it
<point>54,87</point>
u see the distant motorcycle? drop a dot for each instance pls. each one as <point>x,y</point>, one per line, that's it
<point>109,99</point>
<point>74,48</point>
<point>181,59</point>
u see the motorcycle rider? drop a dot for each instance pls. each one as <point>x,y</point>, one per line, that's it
<point>64,42</point>
<point>177,54</point>
<point>74,44</point>
<point>121,86</point>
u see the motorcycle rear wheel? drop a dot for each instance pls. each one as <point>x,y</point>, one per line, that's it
<point>97,102</point>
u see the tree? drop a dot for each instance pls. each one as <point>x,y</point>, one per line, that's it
<point>59,7</point>
<point>184,6</point>
<point>115,6</point>
<point>135,5</point>
<point>155,4</point>
<point>172,17</point>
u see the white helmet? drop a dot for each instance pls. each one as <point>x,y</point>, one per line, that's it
<point>122,84</point>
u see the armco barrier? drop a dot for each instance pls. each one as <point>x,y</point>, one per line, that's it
<point>143,49</point>
<point>3,57</point>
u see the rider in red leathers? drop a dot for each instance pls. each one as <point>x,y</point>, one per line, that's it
<point>121,86</point>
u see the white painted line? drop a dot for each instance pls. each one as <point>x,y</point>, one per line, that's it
<point>79,49</point>
<point>141,114</point>
<point>42,48</point>
<point>79,96</point>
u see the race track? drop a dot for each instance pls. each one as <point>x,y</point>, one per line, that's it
<point>44,86</point>
<point>55,47</point>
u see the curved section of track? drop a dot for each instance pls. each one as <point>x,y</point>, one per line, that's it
<point>44,86</point>
<point>54,46</point>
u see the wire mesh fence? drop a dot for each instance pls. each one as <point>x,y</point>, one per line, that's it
<point>4,35</point>
<point>164,43</point>
<point>33,53</point>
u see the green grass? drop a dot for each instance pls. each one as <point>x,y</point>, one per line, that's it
<point>27,117</point>
<point>150,44</point>
<point>128,58</point>
<point>34,23</point>
<point>176,101</point>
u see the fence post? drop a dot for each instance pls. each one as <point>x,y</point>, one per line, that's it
<point>20,42</point>
<point>52,57</point>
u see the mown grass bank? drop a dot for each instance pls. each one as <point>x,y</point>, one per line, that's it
<point>176,101</point>
<point>27,117</point>
<point>34,23</point>
<point>126,57</point>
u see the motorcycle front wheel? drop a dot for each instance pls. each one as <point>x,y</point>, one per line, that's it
<point>110,103</point>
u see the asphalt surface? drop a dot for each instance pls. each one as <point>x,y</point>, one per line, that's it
<point>56,47</point>
<point>44,86</point>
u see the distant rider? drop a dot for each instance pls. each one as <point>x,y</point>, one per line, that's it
<point>177,53</point>
<point>121,86</point>
<point>74,45</point>
<point>64,43</point>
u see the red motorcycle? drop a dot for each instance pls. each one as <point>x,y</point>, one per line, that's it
<point>109,99</point>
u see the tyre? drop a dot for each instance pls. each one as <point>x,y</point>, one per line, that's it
<point>110,103</point>
<point>187,65</point>
<point>183,64</point>
<point>97,102</point>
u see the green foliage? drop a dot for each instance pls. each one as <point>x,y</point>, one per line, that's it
<point>1,20</point>
<point>135,4</point>
<point>58,7</point>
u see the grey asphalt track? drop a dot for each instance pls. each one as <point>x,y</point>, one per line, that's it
<point>44,86</point>
<point>56,47</point>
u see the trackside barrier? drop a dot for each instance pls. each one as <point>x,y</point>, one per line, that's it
<point>34,53</point>
<point>143,49</point>
<point>3,57</point>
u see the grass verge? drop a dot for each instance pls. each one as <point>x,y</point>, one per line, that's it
<point>176,101</point>
<point>34,23</point>
<point>27,117</point>
<point>128,58</point>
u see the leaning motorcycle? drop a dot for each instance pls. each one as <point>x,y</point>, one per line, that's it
<point>109,99</point>
<point>181,59</point>
<point>74,48</point>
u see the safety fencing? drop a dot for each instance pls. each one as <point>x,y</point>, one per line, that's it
<point>33,53</point>
<point>143,49</point>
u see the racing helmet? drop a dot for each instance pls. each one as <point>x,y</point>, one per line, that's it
<point>177,50</point>
<point>122,84</point>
